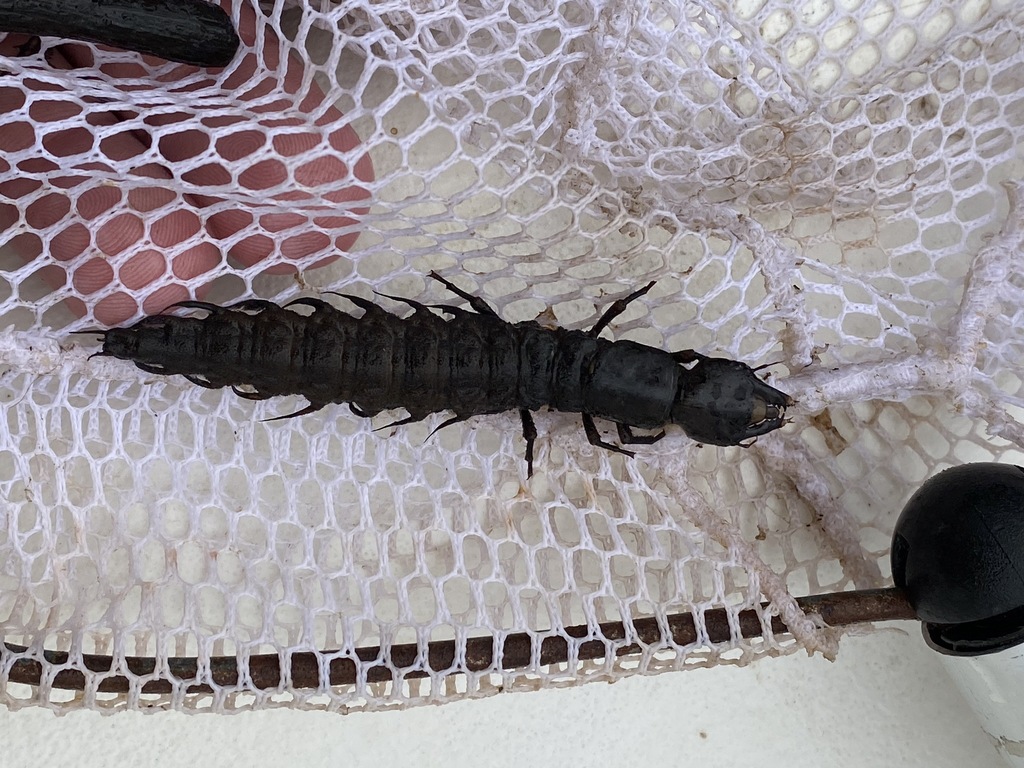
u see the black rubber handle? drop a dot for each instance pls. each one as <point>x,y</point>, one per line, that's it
<point>186,31</point>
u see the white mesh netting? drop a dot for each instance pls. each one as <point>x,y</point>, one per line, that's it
<point>830,184</point>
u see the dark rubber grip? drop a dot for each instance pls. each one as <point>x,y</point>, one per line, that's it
<point>185,31</point>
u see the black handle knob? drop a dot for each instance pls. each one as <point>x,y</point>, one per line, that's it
<point>958,553</point>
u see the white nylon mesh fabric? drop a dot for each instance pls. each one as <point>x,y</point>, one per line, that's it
<point>831,185</point>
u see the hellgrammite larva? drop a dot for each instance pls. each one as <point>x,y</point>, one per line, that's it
<point>471,363</point>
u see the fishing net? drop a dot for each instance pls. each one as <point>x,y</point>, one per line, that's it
<point>829,186</point>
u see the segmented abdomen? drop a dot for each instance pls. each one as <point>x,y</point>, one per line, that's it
<point>469,364</point>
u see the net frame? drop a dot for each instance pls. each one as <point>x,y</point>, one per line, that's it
<point>737,210</point>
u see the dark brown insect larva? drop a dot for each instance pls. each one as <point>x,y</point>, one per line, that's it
<point>187,31</point>
<point>472,363</point>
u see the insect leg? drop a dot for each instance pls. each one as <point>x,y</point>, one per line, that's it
<point>626,436</point>
<point>249,395</point>
<point>443,424</point>
<point>151,321</point>
<point>198,381</point>
<point>530,434</point>
<point>367,306</point>
<point>311,408</point>
<point>255,305</point>
<point>475,302</point>
<point>617,308</point>
<point>453,311</point>
<point>211,308</point>
<point>414,304</point>
<point>360,412</point>
<point>410,419</point>
<point>595,437</point>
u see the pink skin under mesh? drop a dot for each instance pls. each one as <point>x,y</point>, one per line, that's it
<point>161,269</point>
